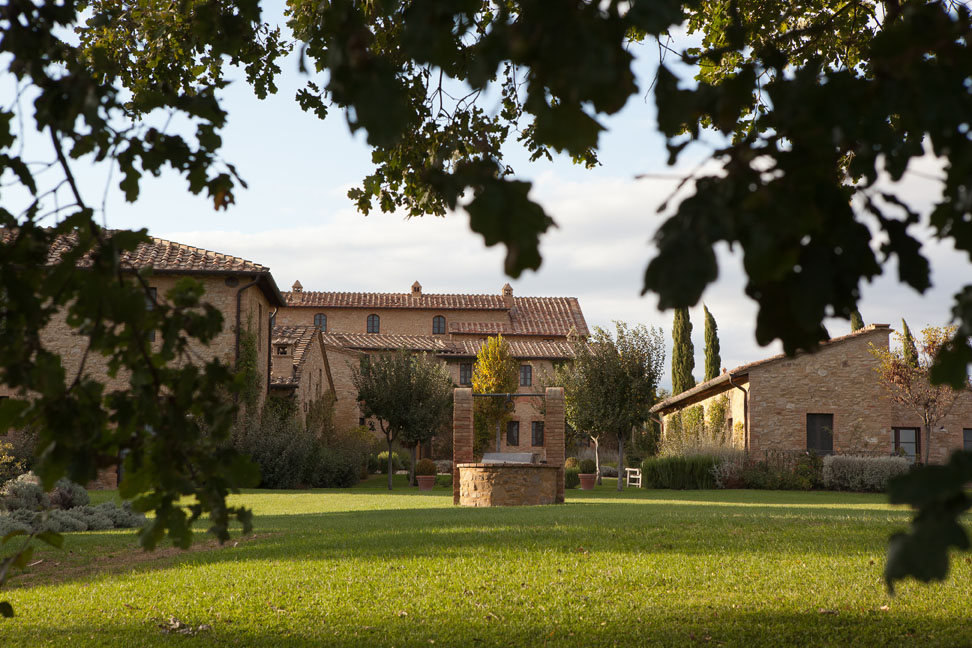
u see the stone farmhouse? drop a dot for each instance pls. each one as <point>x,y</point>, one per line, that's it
<point>450,326</point>
<point>828,402</point>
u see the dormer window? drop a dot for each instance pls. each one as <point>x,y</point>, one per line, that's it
<point>282,349</point>
<point>374,324</point>
<point>320,321</point>
<point>438,325</point>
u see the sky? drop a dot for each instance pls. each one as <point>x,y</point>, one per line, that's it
<point>295,218</point>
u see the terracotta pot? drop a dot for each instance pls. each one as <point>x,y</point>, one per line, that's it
<point>587,480</point>
<point>425,482</point>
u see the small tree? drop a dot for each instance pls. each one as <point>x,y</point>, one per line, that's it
<point>683,352</point>
<point>908,345</point>
<point>495,372</point>
<point>408,394</point>
<point>856,321</point>
<point>713,363</point>
<point>907,384</point>
<point>613,381</point>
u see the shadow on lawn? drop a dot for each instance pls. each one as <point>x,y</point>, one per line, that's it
<point>453,625</point>
<point>612,527</point>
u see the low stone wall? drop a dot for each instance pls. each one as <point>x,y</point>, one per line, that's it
<point>507,484</point>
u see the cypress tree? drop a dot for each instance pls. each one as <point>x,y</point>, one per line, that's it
<point>857,322</point>
<point>713,363</point>
<point>683,352</point>
<point>908,344</point>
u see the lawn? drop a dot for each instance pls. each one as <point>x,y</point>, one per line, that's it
<point>363,567</point>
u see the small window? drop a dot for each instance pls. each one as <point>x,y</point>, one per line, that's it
<point>536,433</point>
<point>907,443</point>
<point>438,325</point>
<point>513,433</point>
<point>320,321</point>
<point>967,439</point>
<point>526,375</point>
<point>820,434</point>
<point>374,324</point>
<point>282,349</point>
<point>465,373</point>
<point>150,300</point>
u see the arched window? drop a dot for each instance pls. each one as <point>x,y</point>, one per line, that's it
<point>320,321</point>
<point>438,325</point>
<point>374,324</point>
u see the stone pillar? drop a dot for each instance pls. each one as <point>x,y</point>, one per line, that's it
<point>462,434</point>
<point>554,435</point>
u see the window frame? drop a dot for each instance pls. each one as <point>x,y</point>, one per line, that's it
<point>526,375</point>
<point>967,439</point>
<point>438,325</point>
<point>536,431</point>
<point>320,321</point>
<point>820,451</point>
<point>896,443</point>
<point>373,324</point>
<point>513,431</point>
<point>465,371</point>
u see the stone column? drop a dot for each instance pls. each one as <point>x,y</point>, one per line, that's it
<point>462,434</point>
<point>554,435</point>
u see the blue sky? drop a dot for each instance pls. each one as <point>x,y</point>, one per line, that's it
<point>296,219</point>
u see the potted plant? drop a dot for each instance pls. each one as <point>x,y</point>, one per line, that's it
<point>425,474</point>
<point>588,473</point>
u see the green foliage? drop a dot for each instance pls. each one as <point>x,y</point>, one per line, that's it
<point>409,394</point>
<point>683,352</point>
<point>862,473</point>
<point>679,472</point>
<point>856,321</point>
<point>425,467</point>
<point>588,467</point>
<point>68,495</point>
<point>713,362</point>
<point>398,462</point>
<point>444,481</point>
<point>496,371</point>
<point>571,462</point>
<point>11,465</point>
<point>571,477</point>
<point>908,349</point>
<point>23,493</point>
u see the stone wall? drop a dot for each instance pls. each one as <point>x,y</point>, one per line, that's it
<point>392,321</point>
<point>735,434</point>
<point>342,363</point>
<point>463,436</point>
<point>508,484</point>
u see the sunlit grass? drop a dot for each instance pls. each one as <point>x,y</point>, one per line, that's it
<point>366,567</point>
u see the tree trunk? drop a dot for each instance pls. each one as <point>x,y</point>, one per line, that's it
<point>391,467</point>
<point>597,459</point>
<point>411,471</point>
<point>620,462</point>
<point>927,442</point>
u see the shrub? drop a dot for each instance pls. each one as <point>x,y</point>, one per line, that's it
<point>571,477</point>
<point>8,525</point>
<point>425,467</point>
<point>60,521</point>
<point>443,480</point>
<point>862,473</point>
<point>25,493</point>
<point>727,472</point>
<point>67,495</point>
<point>679,472</point>
<point>11,466</point>
<point>122,517</point>
<point>383,462</point>
<point>443,466</point>
<point>607,470</point>
<point>93,519</point>
<point>572,462</point>
<point>588,467</point>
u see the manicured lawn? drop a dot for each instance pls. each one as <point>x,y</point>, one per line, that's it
<point>366,568</point>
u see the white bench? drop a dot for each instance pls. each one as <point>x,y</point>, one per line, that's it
<point>632,477</point>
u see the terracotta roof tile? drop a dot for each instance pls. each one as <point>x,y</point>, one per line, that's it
<point>745,368</point>
<point>553,316</point>
<point>302,337</point>
<point>443,347</point>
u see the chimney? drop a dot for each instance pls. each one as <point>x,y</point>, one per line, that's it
<point>416,289</point>
<point>282,361</point>
<point>297,288</point>
<point>508,295</point>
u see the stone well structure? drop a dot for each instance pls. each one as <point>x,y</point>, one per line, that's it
<point>501,483</point>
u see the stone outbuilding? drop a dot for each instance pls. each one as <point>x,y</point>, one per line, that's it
<point>299,366</point>
<point>830,401</point>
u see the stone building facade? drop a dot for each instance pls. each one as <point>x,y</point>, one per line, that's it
<point>452,327</point>
<point>830,401</point>
<point>244,292</point>
<point>299,365</point>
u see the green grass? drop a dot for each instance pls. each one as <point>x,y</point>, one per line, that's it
<point>364,567</point>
